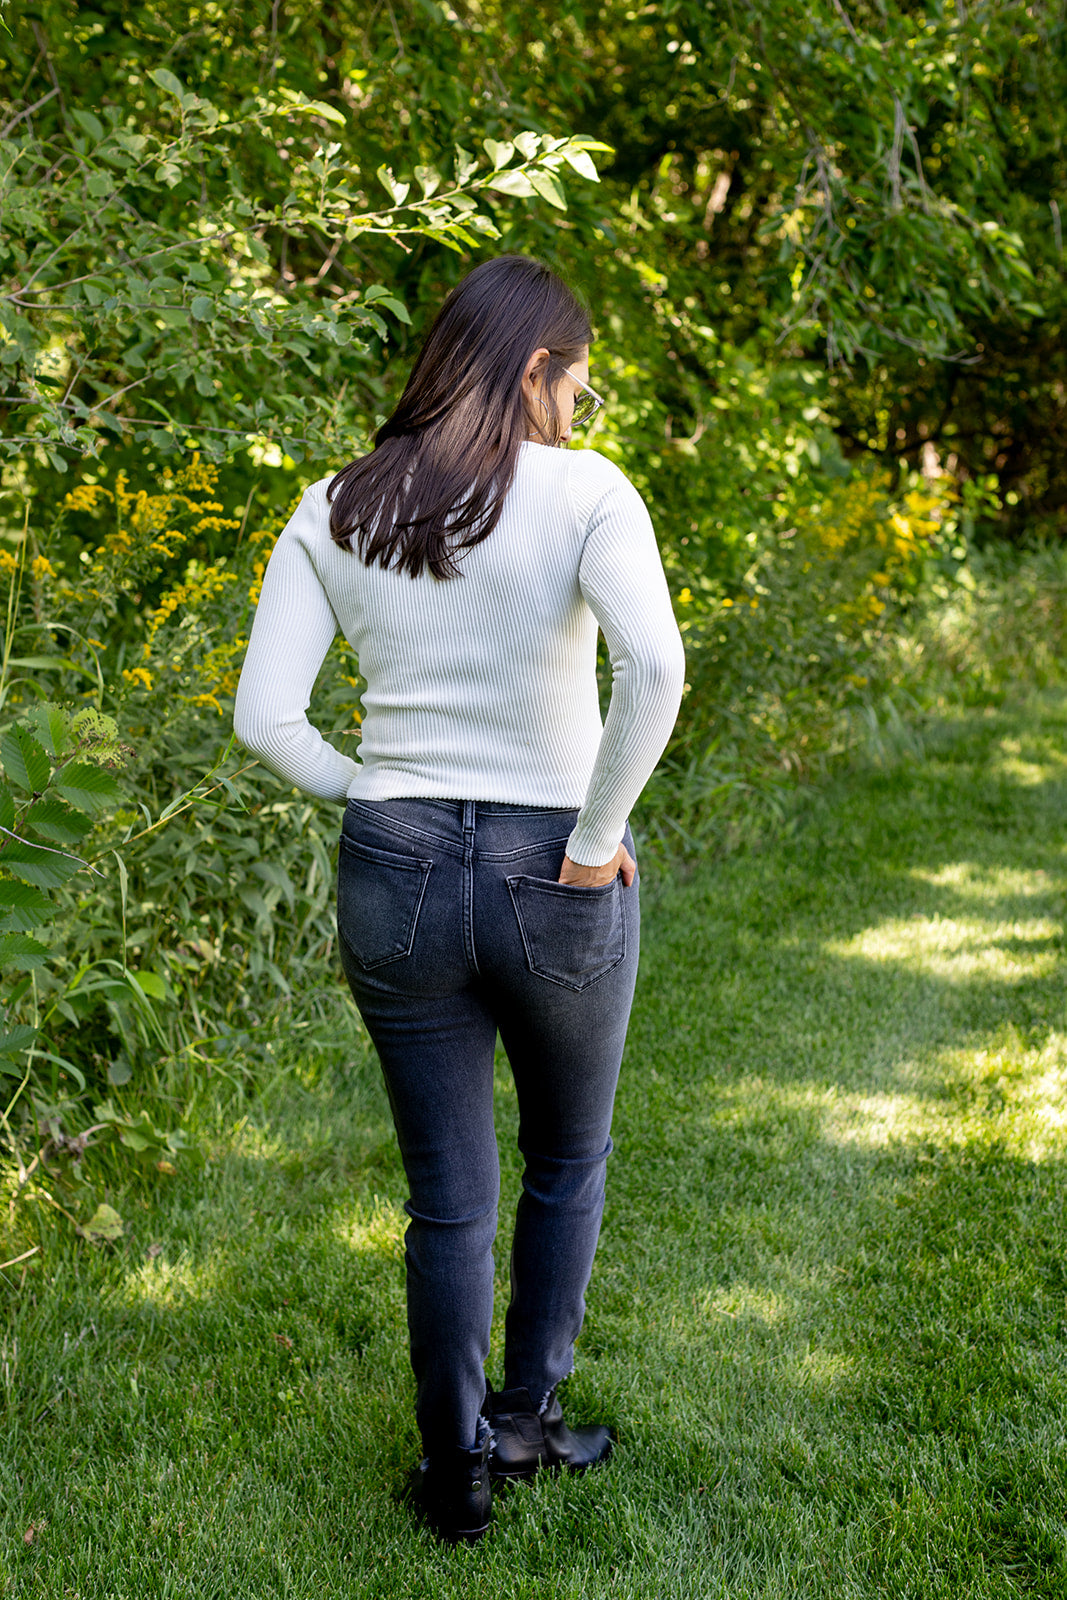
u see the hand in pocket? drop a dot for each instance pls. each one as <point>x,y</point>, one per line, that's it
<point>592,877</point>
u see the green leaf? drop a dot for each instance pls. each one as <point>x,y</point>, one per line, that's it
<point>24,897</point>
<point>23,907</point>
<point>87,787</point>
<point>16,1039</point>
<point>51,663</point>
<point>133,1139</point>
<point>528,144</point>
<point>57,822</point>
<point>203,308</point>
<point>25,762</point>
<point>99,184</point>
<point>514,182</point>
<point>397,191</point>
<point>397,307</point>
<point>48,869</point>
<point>581,161</point>
<point>96,731</point>
<point>499,152</point>
<point>167,82</point>
<point>105,1222</point>
<point>466,164</point>
<point>53,726</point>
<point>428,179</point>
<point>151,983</point>
<point>321,109</point>
<point>548,187</point>
<point>20,951</point>
<point>88,123</point>
<point>7,808</point>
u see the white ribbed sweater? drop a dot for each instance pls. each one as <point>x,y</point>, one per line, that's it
<point>481,687</point>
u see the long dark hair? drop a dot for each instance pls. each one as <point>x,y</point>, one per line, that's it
<point>435,482</point>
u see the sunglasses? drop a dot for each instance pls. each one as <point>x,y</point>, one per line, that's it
<point>587,403</point>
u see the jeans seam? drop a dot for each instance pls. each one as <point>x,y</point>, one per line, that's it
<point>404,830</point>
<point>524,850</point>
<point>469,823</point>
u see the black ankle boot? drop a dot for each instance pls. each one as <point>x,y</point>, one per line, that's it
<point>455,1492</point>
<point>525,1439</point>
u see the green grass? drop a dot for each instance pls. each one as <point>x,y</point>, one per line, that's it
<point>829,1312</point>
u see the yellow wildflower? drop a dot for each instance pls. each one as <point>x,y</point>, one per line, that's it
<point>42,568</point>
<point>215,524</point>
<point>686,597</point>
<point>84,497</point>
<point>8,562</point>
<point>203,700</point>
<point>198,476</point>
<point>137,675</point>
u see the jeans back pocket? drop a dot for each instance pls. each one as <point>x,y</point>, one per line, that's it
<point>572,936</point>
<point>379,896</point>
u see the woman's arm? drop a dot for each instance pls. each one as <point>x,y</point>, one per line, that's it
<point>621,577</point>
<point>294,627</point>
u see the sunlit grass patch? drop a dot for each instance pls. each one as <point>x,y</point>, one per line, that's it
<point>741,1300</point>
<point>960,950</point>
<point>1029,760</point>
<point>377,1228</point>
<point>991,885</point>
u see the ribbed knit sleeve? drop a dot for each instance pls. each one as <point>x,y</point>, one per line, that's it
<point>621,577</point>
<point>293,629</point>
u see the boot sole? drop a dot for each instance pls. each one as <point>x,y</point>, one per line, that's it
<point>462,1535</point>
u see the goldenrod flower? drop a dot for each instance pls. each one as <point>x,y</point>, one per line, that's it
<point>42,568</point>
<point>84,497</point>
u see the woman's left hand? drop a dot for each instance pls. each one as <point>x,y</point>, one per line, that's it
<point>595,877</point>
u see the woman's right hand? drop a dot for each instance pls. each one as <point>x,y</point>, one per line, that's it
<point>595,877</point>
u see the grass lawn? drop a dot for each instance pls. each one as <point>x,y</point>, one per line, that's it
<point>829,1313</point>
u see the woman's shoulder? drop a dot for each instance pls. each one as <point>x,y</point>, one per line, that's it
<point>318,492</point>
<point>311,513</point>
<point>596,481</point>
<point>585,474</point>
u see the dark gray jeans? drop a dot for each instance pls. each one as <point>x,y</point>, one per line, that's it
<point>453,927</point>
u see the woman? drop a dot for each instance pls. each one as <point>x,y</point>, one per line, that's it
<point>486,880</point>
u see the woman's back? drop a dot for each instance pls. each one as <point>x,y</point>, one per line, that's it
<point>482,686</point>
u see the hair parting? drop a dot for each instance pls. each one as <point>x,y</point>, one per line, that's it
<point>435,481</point>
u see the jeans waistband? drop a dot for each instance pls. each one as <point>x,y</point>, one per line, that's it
<point>455,808</point>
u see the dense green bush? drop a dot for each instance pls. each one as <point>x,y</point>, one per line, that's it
<point>201,899</point>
